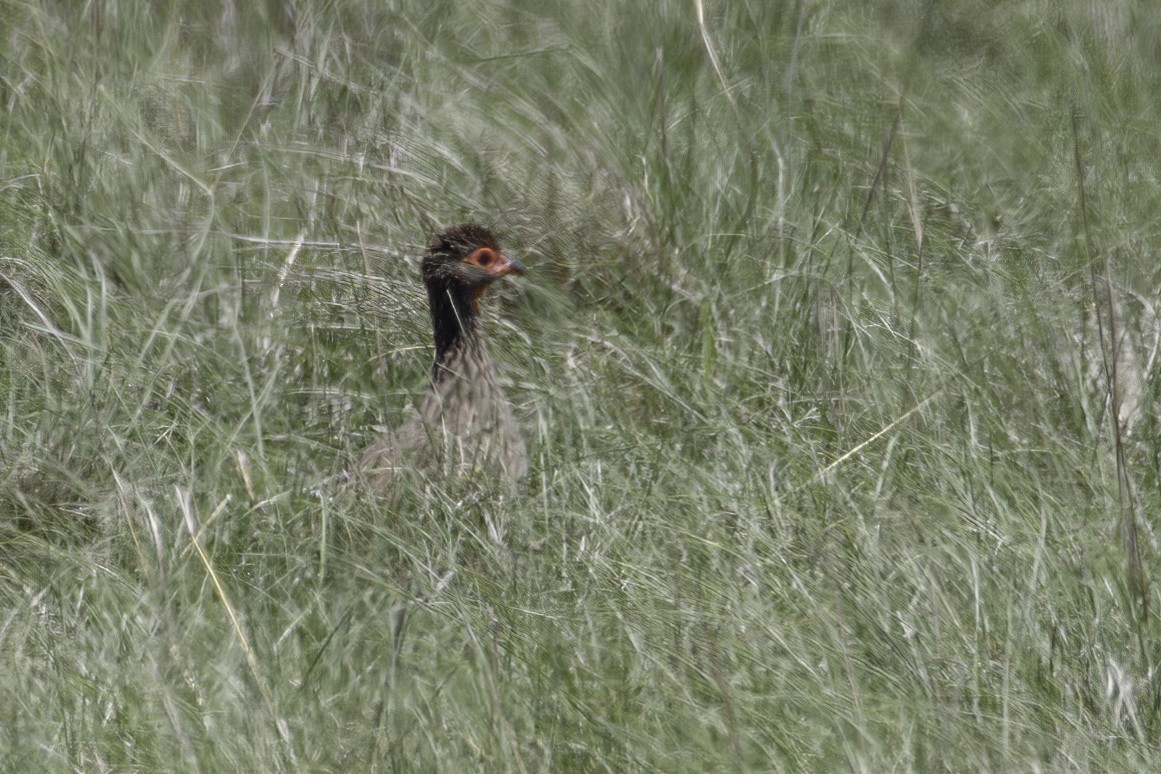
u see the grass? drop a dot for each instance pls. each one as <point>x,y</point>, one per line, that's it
<point>836,360</point>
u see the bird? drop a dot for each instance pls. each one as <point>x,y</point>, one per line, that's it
<point>464,423</point>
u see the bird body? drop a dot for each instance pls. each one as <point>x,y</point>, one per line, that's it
<point>464,422</point>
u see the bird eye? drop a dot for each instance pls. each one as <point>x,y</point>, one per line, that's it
<point>484,258</point>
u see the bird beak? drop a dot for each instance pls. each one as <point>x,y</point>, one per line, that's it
<point>511,266</point>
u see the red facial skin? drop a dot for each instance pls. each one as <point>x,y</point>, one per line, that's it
<point>494,261</point>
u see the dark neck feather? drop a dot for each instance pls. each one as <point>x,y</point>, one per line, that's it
<point>455,322</point>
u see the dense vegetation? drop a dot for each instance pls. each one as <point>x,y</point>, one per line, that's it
<point>837,361</point>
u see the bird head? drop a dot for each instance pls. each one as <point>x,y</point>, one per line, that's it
<point>464,261</point>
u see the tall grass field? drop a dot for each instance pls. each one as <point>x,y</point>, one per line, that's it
<point>837,359</point>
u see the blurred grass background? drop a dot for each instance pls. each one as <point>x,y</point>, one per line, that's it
<point>837,361</point>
